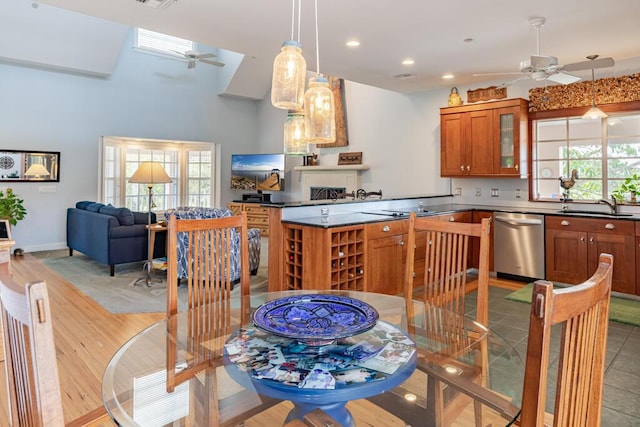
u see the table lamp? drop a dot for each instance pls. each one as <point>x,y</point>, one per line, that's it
<point>149,173</point>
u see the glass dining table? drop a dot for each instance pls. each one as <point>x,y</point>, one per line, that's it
<point>413,365</point>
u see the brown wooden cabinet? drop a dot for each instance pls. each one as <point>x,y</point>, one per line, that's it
<point>386,255</point>
<point>487,139</point>
<point>257,216</point>
<point>574,244</point>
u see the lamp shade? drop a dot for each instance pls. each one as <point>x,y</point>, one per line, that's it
<point>150,173</point>
<point>37,170</point>
<point>594,113</point>
<point>289,73</point>
<point>295,142</point>
<point>319,112</point>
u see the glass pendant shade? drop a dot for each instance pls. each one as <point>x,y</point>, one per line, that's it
<point>319,112</point>
<point>289,73</point>
<point>295,142</point>
<point>594,113</point>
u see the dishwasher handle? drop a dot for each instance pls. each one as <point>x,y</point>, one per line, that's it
<point>519,221</point>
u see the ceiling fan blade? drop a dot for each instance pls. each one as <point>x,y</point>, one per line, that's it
<point>206,55</point>
<point>525,77</point>
<point>192,64</point>
<point>563,78</point>
<point>177,52</point>
<point>216,63</point>
<point>587,65</point>
<point>495,74</point>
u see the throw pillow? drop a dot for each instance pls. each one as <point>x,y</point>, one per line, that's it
<point>95,207</point>
<point>125,216</point>
<point>83,204</point>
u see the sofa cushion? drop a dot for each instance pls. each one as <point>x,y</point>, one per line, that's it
<point>124,215</point>
<point>83,204</point>
<point>94,207</point>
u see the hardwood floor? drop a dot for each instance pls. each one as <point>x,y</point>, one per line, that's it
<point>86,337</point>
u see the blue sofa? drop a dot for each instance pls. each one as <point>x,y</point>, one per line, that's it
<point>201,213</point>
<point>110,235</point>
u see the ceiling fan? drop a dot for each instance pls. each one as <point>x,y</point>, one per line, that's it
<point>542,67</point>
<point>194,57</point>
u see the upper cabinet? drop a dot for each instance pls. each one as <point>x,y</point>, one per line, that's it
<point>488,139</point>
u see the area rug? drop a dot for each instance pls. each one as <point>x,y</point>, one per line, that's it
<point>621,310</point>
<point>120,294</point>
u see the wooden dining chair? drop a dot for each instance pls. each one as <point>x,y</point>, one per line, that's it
<point>210,317</point>
<point>446,249</point>
<point>30,359</point>
<point>583,313</point>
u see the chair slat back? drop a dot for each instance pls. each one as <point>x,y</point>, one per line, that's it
<point>583,313</point>
<point>31,369</point>
<point>446,253</point>
<point>209,285</point>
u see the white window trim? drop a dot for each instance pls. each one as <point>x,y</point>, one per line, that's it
<point>182,146</point>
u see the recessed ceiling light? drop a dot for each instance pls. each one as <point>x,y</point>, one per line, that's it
<point>408,61</point>
<point>353,43</point>
<point>447,76</point>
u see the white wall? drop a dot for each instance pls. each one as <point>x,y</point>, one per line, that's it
<point>145,97</point>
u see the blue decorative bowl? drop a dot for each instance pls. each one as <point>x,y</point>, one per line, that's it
<point>315,319</point>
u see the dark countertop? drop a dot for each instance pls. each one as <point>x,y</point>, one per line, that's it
<point>355,218</point>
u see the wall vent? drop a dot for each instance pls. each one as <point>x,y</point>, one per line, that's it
<point>157,4</point>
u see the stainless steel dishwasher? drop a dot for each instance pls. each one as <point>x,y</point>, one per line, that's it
<point>519,245</point>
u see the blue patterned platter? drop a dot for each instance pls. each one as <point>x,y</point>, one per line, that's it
<point>315,319</point>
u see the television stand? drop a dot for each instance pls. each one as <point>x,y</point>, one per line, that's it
<point>256,198</point>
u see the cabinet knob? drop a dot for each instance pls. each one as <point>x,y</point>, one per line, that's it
<point>564,222</point>
<point>401,243</point>
<point>610,226</point>
<point>386,229</point>
<point>592,240</point>
<point>452,219</point>
<point>517,167</point>
<point>468,168</point>
<point>462,168</point>
<point>582,239</point>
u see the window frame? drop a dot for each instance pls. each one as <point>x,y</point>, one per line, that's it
<point>615,109</point>
<point>112,185</point>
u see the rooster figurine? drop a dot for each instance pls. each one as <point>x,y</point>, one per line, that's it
<point>568,183</point>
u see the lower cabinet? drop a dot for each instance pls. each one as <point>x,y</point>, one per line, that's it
<point>257,216</point>
<point>574,244</point>
<point>386,255</point>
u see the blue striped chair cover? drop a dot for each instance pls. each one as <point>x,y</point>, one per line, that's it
<point>203,213</point>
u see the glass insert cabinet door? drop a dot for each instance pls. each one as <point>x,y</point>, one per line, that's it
<point>507,140</point>
<point>26,166</point>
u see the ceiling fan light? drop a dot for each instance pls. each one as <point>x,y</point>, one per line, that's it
<point>594,113</point>
<point>319,112</point>
<point>289,73</point>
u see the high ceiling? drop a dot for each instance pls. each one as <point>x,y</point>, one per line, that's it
<point>432,33</point>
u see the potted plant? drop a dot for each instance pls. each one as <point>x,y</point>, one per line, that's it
<point>11,207</point>
<point>630,185</point>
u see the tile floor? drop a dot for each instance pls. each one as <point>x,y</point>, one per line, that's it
<point>621,406</point>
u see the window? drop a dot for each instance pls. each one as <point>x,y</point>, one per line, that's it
<point>604,152</point>
<point>191,166</point>
<point>161,43</point>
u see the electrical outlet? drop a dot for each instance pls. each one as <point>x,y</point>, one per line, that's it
<point>495,192</point>
<point>478,192</point>
<point>517,193</point>
<point>458,191</point>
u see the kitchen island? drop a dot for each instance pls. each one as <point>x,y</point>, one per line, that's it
<point>359,245</point>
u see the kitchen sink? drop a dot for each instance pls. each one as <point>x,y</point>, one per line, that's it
<point>576,211</point>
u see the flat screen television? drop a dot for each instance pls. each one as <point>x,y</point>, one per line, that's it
<point>262,172</point>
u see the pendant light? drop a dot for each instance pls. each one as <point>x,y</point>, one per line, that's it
<point>319,104</point>
<point>289,71</point>
<point>295,139</point>
<point>594,112</point>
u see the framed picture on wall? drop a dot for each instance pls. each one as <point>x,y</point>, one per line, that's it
<point>5,230</point>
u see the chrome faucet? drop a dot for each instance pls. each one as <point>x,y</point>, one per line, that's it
<point>613,204</point>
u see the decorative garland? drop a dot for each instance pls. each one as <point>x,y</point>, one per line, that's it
<point>609,90</point>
